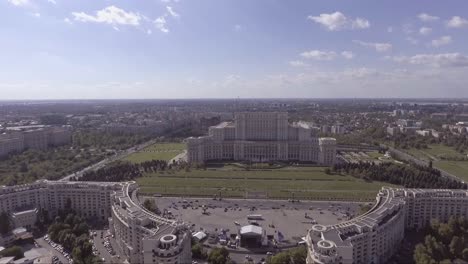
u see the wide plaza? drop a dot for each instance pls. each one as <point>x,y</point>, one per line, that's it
<point>292,219</point>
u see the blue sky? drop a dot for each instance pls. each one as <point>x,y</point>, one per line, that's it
<point>63,49</point>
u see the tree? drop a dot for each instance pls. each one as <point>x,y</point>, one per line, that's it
<point>465,254</point>
<point>5,224</point>
<point>150,205</point>
<point>13,251</point>
<point>299,255</point>
<point>218,256</point>
<point>198,252</point>
<point>456,246</point>
<point>281,258</point>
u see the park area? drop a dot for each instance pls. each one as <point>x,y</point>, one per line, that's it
<point>284,183</point>
<point>158,151</point>
<point>435,152</point>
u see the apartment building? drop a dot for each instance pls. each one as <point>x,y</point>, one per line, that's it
<point>262,136</point>
<point>375,236</point>
<point>90,200</point>
<point>23,138</point>
<point>143,236</point>
<point>10,143</point>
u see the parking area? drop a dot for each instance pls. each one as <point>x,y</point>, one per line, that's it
<point>105,245</point>
<point>58,254</point>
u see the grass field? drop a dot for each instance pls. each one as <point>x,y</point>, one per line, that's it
<point>434,152</point>
<point>305,183</point>
<point>457,168</point>
<point>158,151</point>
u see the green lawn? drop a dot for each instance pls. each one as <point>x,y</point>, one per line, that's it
<point>158,151</point>
<point>434,152</point>
<point>457,168</point>
<point>305,183</point>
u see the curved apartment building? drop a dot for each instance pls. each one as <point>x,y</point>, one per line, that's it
<point>142,236</point>
<point>375,236</point>
<point>262,136</point>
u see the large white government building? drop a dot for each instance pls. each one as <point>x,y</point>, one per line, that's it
<point>375,236</point>
<point>141,235</point>
<point>262,136</point>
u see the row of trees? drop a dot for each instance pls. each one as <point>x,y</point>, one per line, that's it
<point>91,138</point>
<point>293,256</point>
<point>5,223</point>
<point>444,242</point>
<point>459,142</point>
<point>151,206</point>
<point>72,232</point>
<point>412,141</point>
<point>123,171</point>
<point>216,256</point>
<point>409,176</point>
<point>51,164</point>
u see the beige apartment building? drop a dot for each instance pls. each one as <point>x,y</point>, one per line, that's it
<point>143,236</point>
<point>375,236</point>
<point>261,137</point>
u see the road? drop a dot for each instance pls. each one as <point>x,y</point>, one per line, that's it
<point>41,242</point>
<point>99,243</point>
<point>104,162</point>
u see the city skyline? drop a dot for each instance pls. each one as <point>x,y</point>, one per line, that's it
<point>227,49</point>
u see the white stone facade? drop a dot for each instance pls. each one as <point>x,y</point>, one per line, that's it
<point>375,236</point>
<point>262,136</point>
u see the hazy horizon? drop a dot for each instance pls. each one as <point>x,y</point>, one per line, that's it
<point>208,49</point>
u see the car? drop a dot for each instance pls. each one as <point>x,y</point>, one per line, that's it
<point>269,253</point>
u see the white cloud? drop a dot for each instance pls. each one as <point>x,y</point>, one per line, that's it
<point>149,32</point>
<point>407,29</point>
<point>380,47</point>
<point>160,23</point>
<point>347,54</point>
<point>436,60</point>
<point>237,28</point>
<point>360,23</point>
<point>412,40</point>
<point>19,2</point>
<point>38,15</point>
<point>360,72</point>
<point>298,63</point>
<point>338,21</point>
<point>457,22</point>
<point>425,31</point>
<point>67,20</point>
<point>172,12</point>
<point>169,1</point>
<point>111,15</point>
<point>444,40</point>
<point>52,2</point>
<point>427,18</point>
<point>319,55</point>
